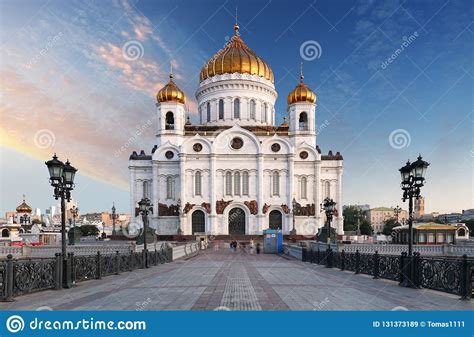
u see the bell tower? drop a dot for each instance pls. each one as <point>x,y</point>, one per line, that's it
<point>302,111</point>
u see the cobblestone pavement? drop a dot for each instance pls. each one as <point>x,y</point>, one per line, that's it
<point>225,280</point>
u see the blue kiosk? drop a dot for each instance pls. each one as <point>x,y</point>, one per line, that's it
<point>272,241</point>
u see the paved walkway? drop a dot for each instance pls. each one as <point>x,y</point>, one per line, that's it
<point>224,280</point>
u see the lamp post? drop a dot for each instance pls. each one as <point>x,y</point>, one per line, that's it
<point>74,213</point>
<point>329,207</point>
<point>413,178</point>
<point>180,231</point>
<point>114,217</point>
<point>293,210</point>
<point>397,210</point>
<point>145,208</point>
<point>61,177</point>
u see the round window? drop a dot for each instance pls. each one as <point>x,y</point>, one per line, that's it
<point>276,147</point>
<point>237,143</point>
<point>169,154</point>
<point>303,154</point>
<point>197,147</point>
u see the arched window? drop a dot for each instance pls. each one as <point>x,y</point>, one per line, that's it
<point>265,112</point>
<point>228,183</point>
<point>276,183</point>
<point>304,187</point>
<point>303,121</point>
<point>221,109</point>
<point>5,233</point>
<point>197,183</point>
<point>169,188</point>
<point>169,119</point>
<point>253,107</point>
<point>237,108</point>
<point>208,112</point>
<point>327,189</point>
<point>146,190</point>
<point>245,183</point>
<point>237,183</point>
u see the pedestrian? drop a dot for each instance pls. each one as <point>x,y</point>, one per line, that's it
<point>258,247</point>
<point>251,246</point>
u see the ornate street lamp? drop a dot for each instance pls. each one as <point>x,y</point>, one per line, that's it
<point>329,207</point>
<point>293,211</point>
<point>180,231</point>
<point>61,176</point>
<point>145,207</point>
<point>114,217</point>
<point>413,178</point>
<point>397,210</point>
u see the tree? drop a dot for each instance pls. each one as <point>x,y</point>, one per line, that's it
<point>351,214</point>
<point>388,226</point>
<point>89,230</point>
<point>366,227</point>
<point>470,224</point>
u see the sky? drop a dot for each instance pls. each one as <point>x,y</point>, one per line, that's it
<point>393,79</point>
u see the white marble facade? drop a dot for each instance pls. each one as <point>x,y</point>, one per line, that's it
<point>236,163</point>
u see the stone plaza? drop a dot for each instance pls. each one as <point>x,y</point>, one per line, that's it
<point>219,279</point>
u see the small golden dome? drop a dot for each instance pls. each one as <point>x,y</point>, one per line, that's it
<point>236,57</point>
<point>301,93</point>
<point>23,208</point>
<point>171,93</point>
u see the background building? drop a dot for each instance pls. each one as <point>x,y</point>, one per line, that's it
<point>378,216</point>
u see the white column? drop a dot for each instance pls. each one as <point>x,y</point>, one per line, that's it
<point>132,192</point>
<point>182,185</point>
<point>289,185</point>
<point>212,194</point>
<point>317,192</point>
<point>155,193</point>
<point>259,184</point>
<point>340,228</point>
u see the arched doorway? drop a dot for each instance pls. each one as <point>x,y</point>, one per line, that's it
<point>275,220</point>
<point>198,222</point>
<point>236,221</point>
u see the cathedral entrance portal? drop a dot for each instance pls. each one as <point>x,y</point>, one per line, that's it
<point>236,222</point>
<point>275,220</point>
<point>198,222</point>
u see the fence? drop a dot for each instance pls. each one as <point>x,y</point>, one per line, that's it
<point>80,249</point>
<point>26,275</point>
<point>395,249</point>
<point>447,274</point>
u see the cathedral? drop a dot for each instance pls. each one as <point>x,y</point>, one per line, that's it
<point>236,171</point>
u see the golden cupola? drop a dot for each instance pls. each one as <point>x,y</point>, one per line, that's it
<point>170,92</point>
<point>24,207</point>
<point>236,57</point>
<point>301,93</point>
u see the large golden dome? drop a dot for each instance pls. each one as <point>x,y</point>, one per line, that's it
<point>24,207</point>
<point>171,93</point>
<point>236,57</point>
<point>301,93</point>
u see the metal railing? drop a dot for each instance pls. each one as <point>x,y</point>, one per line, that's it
<point>27,275</point>
<point>453,275</point>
